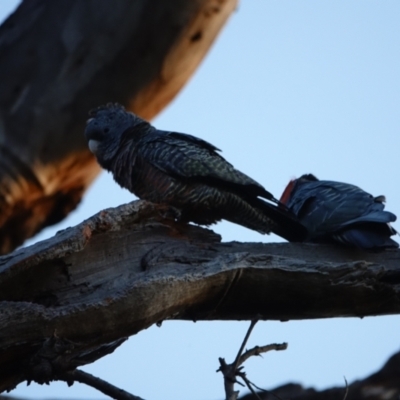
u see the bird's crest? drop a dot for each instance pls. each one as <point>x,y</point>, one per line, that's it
<point>380,199</point>
<point>287,192</point>
<point>109,106</point>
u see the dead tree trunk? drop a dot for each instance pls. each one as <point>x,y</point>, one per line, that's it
<point>61,58</point>
<point>88,288</point>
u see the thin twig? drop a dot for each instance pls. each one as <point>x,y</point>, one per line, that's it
<point>347,389</point>
<point>246,338</point>
<point>249,385</point>
<point>231,371</point>
<point>265,390</point>
<point>257,350</point>
<point>96,383</point>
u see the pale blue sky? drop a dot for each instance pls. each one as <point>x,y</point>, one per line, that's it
<point>289,87</point>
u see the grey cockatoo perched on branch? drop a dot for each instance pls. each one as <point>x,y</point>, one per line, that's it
<point>185,172</point>
<point>340,212</point>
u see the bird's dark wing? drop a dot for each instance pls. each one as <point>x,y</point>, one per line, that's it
<point>188,157</point>
<point>343,213</point>
<point>195,140</point>
<point>327,206</point>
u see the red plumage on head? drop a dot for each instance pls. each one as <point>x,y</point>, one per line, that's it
<point>287,192</point>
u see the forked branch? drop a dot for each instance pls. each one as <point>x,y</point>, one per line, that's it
<point>234,370</point>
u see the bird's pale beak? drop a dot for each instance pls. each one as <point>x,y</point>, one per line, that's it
<point>93,145</point>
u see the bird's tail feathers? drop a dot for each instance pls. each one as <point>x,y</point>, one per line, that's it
<point>378,217</point>
<point>285,224</point>
<point>366,238</point>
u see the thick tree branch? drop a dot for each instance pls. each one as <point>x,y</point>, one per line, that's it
<point>126,268</point>
<point>61,58</point>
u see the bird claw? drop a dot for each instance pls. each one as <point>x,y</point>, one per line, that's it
<point>168,212</point>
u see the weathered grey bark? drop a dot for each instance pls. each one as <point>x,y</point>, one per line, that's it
<point>127,268</point>
<point>61,58</point>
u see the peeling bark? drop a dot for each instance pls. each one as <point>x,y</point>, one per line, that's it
<point>59,59</point>
<point>126,268</point>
